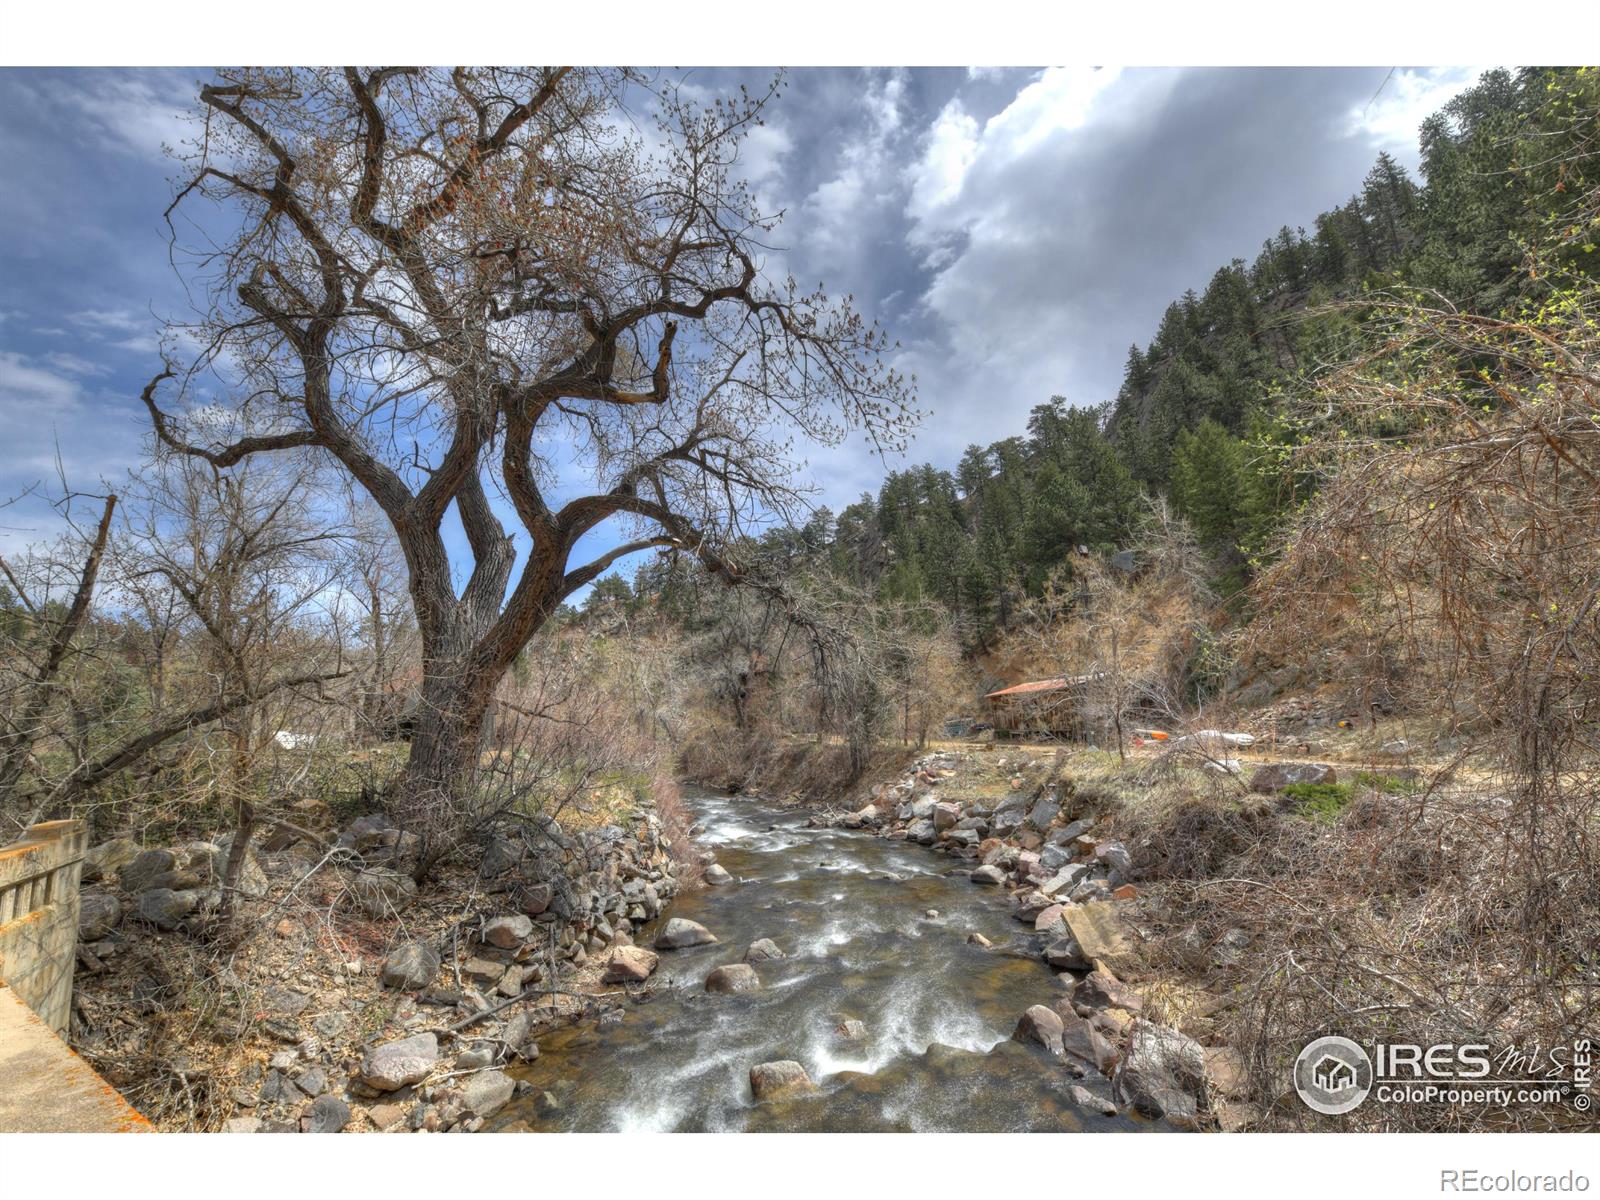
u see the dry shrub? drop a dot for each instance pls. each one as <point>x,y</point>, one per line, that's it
<point>1398,921</point>
<point>676,822</point>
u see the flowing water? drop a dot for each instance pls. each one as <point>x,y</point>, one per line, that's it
<point>850,911</point>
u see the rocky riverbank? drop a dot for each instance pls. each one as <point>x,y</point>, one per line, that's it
<point>343,997</point>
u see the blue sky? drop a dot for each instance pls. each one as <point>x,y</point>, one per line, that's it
<point>1016,229</point>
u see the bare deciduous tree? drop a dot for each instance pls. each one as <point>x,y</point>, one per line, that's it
<point>471,285</point>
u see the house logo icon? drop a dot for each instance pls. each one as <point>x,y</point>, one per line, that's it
<point>1332,1075</point>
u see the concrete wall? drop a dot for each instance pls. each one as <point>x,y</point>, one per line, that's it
<point>39,917</point>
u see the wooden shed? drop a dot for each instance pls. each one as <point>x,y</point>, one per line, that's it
<point>1048,707</point>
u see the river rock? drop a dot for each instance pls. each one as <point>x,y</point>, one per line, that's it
<point>98,915</point>
<point>630,964</point>
<point>1043,814</point>
<point>410,966</point>
<point>977,939</point>
<point>327,1114</point>
<point>1116,858</point>
<point>733,977</point>
<point>1082,1041</point>
<point>1064,880</point>
<point>532,898</point>
<point>1064,954</point>
<point>988,875</point>
<point>1041,1025</point>
<point>252,880</point>
<point>763,950</point>
<point>1087,1100</point>
<point>1053,857</point>
<point>108,858</point>
<point>679,933</point>
<point>1049,921</point>
<point>487,1092</point>
<point>1100,989</point>
<point>1008,814</point>
<point>776,1080</point>
<point>517,1038</point>
<point>1162,1074</point>
<point>922,831</point>
<point>508,932</point>
<point>1274,777</point>
<point>850,1032</point>
<point>141,873</point>
<point>165,908</point>
<point>393,1065</point>
<point>945,817</point>
<point>717,875</point>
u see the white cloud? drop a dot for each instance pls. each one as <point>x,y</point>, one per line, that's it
<point>866,179</point>
<point>1059,100</point>
<point>1390,120</point>
<point>129,112</point>
<point>948,153</point>
<point>762,155</point>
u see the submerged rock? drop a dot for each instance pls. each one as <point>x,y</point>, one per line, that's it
<point>776,1080</point>
<point>717,875</point>
<point>679,933</point>
<point>733,977</point>
<point>763,950</point>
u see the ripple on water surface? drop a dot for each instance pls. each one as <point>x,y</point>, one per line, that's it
<point>850,911</point>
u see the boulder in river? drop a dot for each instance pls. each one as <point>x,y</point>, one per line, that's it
<point>763,950</point>
<point>850,1030</point>
<point>777,1080</point>
<point>717,875</point>
<point>679,933</point>
<point>733,977</point>
<point>629,964</point>
<point>989,875</point>
<point>1042,1026</point>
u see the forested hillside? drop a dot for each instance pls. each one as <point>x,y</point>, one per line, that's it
<point>1206,414</point>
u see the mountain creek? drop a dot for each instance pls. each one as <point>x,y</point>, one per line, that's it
<point>873,931</point>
